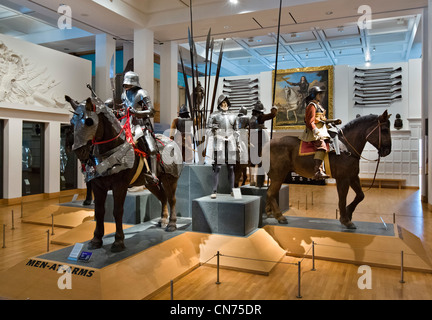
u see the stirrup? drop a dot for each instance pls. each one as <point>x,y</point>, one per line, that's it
<point>319,175</point>
<point>151,178</point>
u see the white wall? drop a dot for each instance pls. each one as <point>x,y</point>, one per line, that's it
<point>42,68</point>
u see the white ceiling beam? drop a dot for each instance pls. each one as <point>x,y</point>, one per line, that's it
<point>253,53</point>
<point>412,36</point>
<point>324,43</point>
<point>288,49</point>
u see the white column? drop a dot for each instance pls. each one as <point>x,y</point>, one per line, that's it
<point>144,59</point>
<point>169,82</point>
<point>12,166</point>
<point>52,157</point>
<point>427,60</point>
<point>128,53</point>
<point>105,51</point>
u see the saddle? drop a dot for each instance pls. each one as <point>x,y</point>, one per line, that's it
<point>307,148</point>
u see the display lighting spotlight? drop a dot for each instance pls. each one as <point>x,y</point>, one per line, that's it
<point>233,1</point>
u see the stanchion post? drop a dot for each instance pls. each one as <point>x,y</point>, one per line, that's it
<point>402,267</point>
<point>52,224</point>
<point>22,209</point>
<point>47,240</point>
<point>4,236</point>
<point>172,289</point>
<point>394,217</point>
<point>217,280</point>
<point>313,256</point>
<point>306,202</point>
<point>312,197</point>
<point>299,280</point>
<point>336,214</point>
<point>13,224</point>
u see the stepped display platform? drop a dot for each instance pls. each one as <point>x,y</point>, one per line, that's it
<point>373,244</point>
<point>151,259</point>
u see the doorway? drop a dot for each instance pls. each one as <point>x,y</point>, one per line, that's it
<point>32,158</point>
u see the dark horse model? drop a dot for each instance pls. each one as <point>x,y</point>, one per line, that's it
<point>284,158</point>
<point>99,135</point>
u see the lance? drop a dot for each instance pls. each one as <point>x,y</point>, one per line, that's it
<point>203,115</point>
<point>208,89</point>
<point>275,74</point>
<point>217,78</point>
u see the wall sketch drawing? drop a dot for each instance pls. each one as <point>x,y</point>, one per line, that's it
<point>25,82</point>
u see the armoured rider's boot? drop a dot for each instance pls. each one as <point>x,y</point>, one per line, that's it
<point>153,168</point>
<point>319,173</point>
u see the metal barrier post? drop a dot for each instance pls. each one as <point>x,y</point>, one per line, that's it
<point>47,240</point>
<point>313,256</point>
<point>299,280</point>
<point>4,236</point>
<point>172,289</point>
<point>217,280</point>
<point>13,224</point>
<point>52,224</point>
<point>402,268</point>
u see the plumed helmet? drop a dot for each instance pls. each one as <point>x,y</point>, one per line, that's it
<point>222,98</point>
<point>314,91</point>
<point>131,78</point>
<point>258,106</point>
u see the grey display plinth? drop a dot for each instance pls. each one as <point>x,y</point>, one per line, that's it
<point>139,206</point>
<point>196,182</point>
<point>226,215</point>
<point>282,198</point>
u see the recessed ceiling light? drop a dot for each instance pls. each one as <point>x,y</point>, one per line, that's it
<point>233,1</point>
<point>329,13</point>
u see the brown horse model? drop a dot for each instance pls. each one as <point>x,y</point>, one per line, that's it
<point>284,158</point>
<point>99,136</point>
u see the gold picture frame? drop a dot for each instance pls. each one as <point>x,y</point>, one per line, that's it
<point>292,86</point>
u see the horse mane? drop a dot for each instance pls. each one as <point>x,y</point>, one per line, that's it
<point>360,120</point>
<point>107,112</point>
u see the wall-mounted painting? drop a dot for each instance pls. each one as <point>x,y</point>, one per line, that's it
<point>292,86</point>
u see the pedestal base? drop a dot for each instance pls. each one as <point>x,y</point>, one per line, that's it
<point>225,214</point>
<point>282,198</point>
<point>138,207</point>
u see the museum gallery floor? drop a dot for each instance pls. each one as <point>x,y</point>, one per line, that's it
<point>394,219</point>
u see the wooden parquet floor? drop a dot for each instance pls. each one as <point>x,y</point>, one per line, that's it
<point>330,281</point>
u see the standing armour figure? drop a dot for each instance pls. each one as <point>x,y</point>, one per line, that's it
<point>222,125</point>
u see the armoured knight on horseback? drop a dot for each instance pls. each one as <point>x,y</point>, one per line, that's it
<point>137,101</point>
